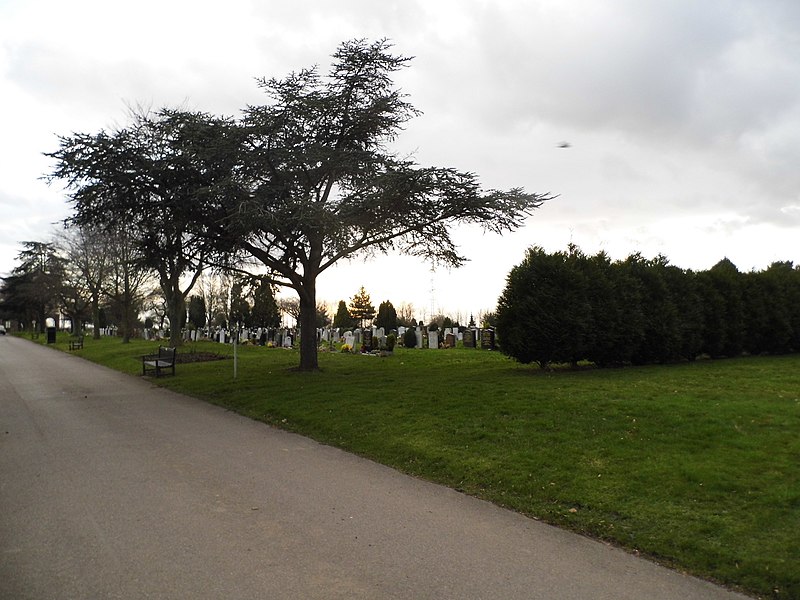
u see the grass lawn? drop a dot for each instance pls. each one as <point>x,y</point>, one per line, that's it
<point>696,465</point>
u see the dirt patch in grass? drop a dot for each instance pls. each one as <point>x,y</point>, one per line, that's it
<point>195,357</point>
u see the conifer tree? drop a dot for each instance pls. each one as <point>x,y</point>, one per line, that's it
<point>343,319</point>
<point>361,308</point>
<point>387,316</point>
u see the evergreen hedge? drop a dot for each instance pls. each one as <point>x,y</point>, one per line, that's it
<point>567,307</point>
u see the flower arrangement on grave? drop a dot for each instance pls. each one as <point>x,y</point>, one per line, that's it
<point>270,344</point>
<point>346,348</point>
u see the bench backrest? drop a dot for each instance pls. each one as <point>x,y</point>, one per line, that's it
<point>166,353</point>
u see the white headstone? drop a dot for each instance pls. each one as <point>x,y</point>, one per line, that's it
<point>433,339</point>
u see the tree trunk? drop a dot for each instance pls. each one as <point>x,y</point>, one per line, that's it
<point>176,306</point>
<point>42,324</point>
<point>308,325</point>
<point>95,318</point>
<point>127,317</point>
<point>127,307</point>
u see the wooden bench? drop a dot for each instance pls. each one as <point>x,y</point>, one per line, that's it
<point>77,343</point>
<point>159,363</point>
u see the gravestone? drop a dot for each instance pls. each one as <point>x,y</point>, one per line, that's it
<point>469,338</point>
<point>349,339</point>
<point>450,340</point>
<point>419,338</point>
<point>401,331</point>
<point>487,339</point>
<point>433,339</point>
<point>368,339</point>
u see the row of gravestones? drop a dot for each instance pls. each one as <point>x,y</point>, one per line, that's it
<point>470,338</point>
<point>371,338</point>
<point>258,336</point>
<point>479,338</point>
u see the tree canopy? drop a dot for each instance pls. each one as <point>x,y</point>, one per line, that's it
<point>31,292</point>
<point>319,183</point>
<point>155,181</point>
<point>387,316</point>
<point>361,308</point>
<point>343,319</point>
<point>297,184</point>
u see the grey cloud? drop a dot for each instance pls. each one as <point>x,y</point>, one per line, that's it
<point>665,69</point>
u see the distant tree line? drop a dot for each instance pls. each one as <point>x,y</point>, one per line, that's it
<point>87,275</point>
<point>360,312</point>
<point>567,307</point>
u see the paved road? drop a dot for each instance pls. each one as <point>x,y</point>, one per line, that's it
<point>113,488</point>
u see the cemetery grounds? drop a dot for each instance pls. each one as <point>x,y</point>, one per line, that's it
<point>693,465</point>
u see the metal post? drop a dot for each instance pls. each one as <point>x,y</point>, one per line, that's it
<point>235,353</point>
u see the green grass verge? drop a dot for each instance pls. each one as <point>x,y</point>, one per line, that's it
<point>695,465</point>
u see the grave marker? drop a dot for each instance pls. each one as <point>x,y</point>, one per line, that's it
<point>433,339</point>
<point>487,339</point>
<point>469,338</point>
<point>367,339</point>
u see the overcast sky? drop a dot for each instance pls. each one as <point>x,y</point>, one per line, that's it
<point>682,117</point>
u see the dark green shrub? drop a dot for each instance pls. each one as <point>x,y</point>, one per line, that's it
<point>410,338</point>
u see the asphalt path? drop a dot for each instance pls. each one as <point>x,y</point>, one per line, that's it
<point>111,487</point>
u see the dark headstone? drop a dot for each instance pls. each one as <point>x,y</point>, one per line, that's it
<point>487,339</point>
<point>367,339</point>
<point>469,338</point>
